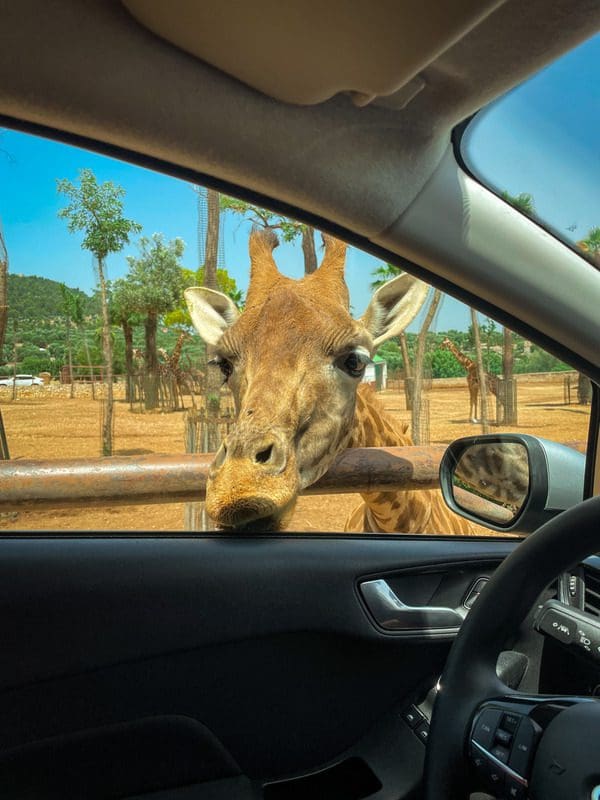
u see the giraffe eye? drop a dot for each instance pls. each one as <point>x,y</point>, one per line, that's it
<point>354,364</point>
<point>223,364</point>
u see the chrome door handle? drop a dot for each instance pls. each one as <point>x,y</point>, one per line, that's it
<point>393,615</point>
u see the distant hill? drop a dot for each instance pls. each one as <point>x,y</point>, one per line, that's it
<point>31,297</point>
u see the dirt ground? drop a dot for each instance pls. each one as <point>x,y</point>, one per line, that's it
<point>44,424</point>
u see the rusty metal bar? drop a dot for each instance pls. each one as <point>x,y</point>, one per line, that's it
<point>135,480</point>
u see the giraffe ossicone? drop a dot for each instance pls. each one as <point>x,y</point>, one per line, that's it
<point>294,359</point>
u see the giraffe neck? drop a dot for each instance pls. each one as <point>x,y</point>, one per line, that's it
<point>176,354</point>
<point>406,511</point>
<point>466,362</point>
<point>373,426</point>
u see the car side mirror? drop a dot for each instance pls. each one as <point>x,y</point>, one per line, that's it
<point>511,482</point>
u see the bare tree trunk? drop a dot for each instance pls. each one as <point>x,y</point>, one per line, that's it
<point>584,390</point>
<point>419,362</point>
<point>510,416</point>
<point>3,302</point>
<point>405,356</point>
<point>212,239</point>
<point>195,513</point>
<point>481,377</point>
<point>128,336</point>
<point>107,418</point>
<point>15,355</point>
<point>151,388</point>
<point>214,378</point>
<point>89,362</point>
<point>70,359</point>
<point>309,250</point>
<point>3,291</point>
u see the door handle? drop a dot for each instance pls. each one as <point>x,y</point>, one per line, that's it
<point>392,614</point>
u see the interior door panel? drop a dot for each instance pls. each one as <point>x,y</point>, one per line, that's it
<point>267,642</point>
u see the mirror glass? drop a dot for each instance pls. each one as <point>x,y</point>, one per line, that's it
<point>491,480</point>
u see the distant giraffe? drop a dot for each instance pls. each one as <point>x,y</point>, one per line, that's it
<point>472,377</point>
<point>169,369</point>
<point>138,357</point>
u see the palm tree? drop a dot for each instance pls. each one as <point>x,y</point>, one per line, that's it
<point>522,202</point>
<point>384,273</point>
<point>591,245</point>
<point>417,432</point>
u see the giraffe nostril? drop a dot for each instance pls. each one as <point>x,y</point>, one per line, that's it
<point>264,455</point>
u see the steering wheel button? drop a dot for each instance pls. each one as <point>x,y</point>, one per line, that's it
<point>510,722</point>
<point>520,756</point>
<point>412,717</point>
<point>513,790</point>
<point>501,753</point>
<point>485,727</point>
<point>423,732</point>
<point>503,737</point>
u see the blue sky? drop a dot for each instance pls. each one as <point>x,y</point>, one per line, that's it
<point>543,138</point>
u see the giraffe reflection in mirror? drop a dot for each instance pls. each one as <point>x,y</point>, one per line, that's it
<point>294,359</point>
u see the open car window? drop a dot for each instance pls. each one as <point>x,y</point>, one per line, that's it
<point>71,286</point>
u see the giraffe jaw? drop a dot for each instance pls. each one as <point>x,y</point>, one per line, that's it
<point>242,495</point>
<point>271,523</point>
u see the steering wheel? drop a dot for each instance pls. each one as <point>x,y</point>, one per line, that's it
<point>475,714</point>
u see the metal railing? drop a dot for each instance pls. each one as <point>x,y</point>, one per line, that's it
<point>146,479</point>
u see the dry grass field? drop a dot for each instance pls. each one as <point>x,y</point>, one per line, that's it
<point>46,424</point>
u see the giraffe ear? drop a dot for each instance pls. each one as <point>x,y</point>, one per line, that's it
<point>211,312</point>
<point>393,307</point>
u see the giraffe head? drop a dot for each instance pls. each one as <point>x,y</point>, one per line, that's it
<point>446,343</point>
<point>293,360</point>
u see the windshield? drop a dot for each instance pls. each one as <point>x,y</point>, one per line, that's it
<point>539,148</point>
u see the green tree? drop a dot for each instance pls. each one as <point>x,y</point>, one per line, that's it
<point>384,273</point>
<point>289,228</point>
<point>390,352</point>
<point>522,202</point>
<point>157,285</point>
<point>591,245</point>
<point>123,312</point>
<point>444,365</point>
<point>96,210</point>
<point>180,317</point>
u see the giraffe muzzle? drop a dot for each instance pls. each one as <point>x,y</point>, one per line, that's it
<point>253,482</point>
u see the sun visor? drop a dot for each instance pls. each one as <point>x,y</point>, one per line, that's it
<point>306,52</point>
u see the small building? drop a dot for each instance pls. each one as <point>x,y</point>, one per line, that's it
<point>376,373</point>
